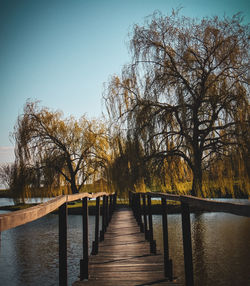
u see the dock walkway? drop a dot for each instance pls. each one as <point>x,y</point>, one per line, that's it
<point>124,257</point>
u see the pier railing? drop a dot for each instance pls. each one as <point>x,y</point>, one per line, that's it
<point>142,209</point>
<point>17,218</point>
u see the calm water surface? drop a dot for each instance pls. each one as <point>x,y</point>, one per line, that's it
<point>221,250</point>
<point>10,202</point>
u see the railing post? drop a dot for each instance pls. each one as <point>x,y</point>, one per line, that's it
<point>115,200</point>
<point>63,279</point>
<point>139,213</point>
<point>113,209</point>
<point>135,207</point>
<point>145,216</point>
<point>151,235</point>
<point>187,244</point>
<point>103,218</point>
<point>130,199</point>
<point>137,210</point>
<point>168,266</point>
<point>97,216</point>
<point>110,207</point>
<point>133,204</point>
<point>84,273</point>
<point>107,212</point>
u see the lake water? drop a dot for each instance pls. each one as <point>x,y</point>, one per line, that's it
<point>221,250</point>
<point>10,202</point>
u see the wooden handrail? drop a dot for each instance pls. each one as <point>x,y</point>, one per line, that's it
<point>21,217</point>
<point>206,204</point>
<point>217,206</point>
<point>186,202</point>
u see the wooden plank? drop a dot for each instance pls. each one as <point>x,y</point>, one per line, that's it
<point>124,257</point>
<point>206,204</point>
<point>75,197</point>
<point>170,197</point>
<point>124,283</point>
<point>187,245</point>
<point>21,217</point>
<point>63,277</point>
<point>85,241</point>
<point>217,206</point>
<point>16,218</point>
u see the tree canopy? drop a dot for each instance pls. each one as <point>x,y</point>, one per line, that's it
<point>185,93</point>
<point>48,146</point>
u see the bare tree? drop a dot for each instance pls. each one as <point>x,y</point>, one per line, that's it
<point>186,89</point>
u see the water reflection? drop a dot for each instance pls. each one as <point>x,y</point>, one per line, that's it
<point>29,253</point>
<point>199,249</point>
<point>175,242</point>
<point>221,249</point>
<point>221,252</point>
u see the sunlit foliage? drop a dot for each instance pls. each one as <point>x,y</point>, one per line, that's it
<point>185,93</point>
<point>52,151</point>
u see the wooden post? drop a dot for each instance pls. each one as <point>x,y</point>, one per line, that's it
<point>151,234</point>
<point>133,204</point>
<point>140,213</point>
<point>97,216</point>
<point>168,266</point>
<point>145,216</point>
<point>187,244</point>
<point>115,201</point>
<point>110,207</point>
<point>107,212</point>
<point>103,218</point>
<point>63,279</point>
<point>135,208</point>
<point>84,273</point>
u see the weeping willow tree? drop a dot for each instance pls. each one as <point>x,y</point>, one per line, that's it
<point>228,176</point>
<point>171,175</point>
<point>127,170</point>
<point>52,151</point>
<point>185,90</point>
<point>6,174</point>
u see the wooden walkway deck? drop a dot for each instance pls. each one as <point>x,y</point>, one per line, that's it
<point>124,257</point>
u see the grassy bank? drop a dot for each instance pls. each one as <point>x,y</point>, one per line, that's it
<point>5,193</point>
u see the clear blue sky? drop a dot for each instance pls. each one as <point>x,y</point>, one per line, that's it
<point>61,52</point>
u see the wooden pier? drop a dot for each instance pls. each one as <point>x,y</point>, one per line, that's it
<point>124,251</point>
<point>124,257</point>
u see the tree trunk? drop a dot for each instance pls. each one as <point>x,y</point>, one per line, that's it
<point>74,187</point>
<point>197,178</point>
<point>72,177</point>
